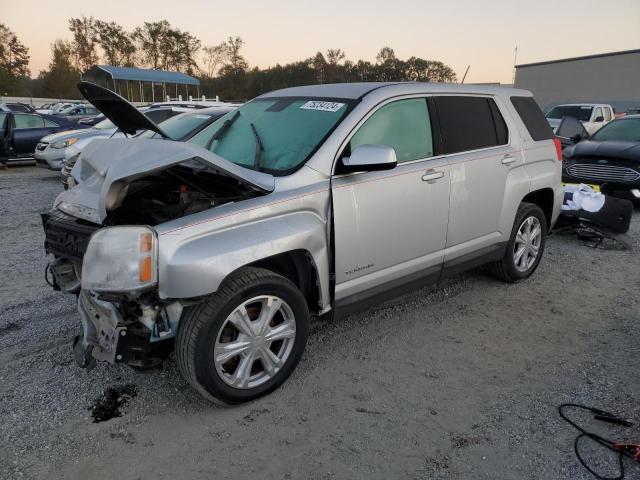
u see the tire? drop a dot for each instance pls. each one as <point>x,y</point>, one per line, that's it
<point>252,372</point>
<point>513,268</point>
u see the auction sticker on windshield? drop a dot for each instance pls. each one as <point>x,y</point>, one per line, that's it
<point>322,106</point>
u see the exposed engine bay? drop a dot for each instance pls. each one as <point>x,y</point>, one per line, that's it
<point>173,193</point>
<point>150,200</point>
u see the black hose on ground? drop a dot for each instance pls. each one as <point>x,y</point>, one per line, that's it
<point>623,450</point>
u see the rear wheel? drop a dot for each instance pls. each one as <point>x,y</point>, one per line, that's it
<point>525,247</point>
<point>246,339</point>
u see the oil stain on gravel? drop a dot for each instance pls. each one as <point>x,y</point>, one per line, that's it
<point>107,405</point>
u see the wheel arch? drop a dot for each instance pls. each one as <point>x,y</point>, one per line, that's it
<point>543,198</point>
<point>297,266</point>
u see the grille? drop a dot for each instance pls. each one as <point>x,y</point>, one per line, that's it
<point>608,173</point>
<point>66,236</point>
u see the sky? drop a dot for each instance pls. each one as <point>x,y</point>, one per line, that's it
<point>482,34</point>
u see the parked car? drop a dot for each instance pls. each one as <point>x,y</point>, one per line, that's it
<point>592,115</point>
<point>610,158</point>
<point>91,121</point>
<point>180,127</point>
<point>78,112</point>
<point>195,104</point>
<point>314,200</point>
<point>52,149</point>
<point>20,107</point>
<point>21,132</point>
<point>56,108</point>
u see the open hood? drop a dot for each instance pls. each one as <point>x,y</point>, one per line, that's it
<point>106,166</point>
<point>123,115</point>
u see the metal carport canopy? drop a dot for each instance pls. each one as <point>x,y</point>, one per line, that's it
<point>143,75</point>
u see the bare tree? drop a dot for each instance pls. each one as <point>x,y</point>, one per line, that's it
<point>386,54</point>
<point>213,57</point>
<point>335,56</point>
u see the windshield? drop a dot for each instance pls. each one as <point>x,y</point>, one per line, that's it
<point>276,135</point>
<point>582,113</point>
<point>624,130</point>
<point>180,126</point>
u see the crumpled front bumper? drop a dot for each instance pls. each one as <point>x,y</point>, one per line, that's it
<point>102,327</point>
<point>141,340</point>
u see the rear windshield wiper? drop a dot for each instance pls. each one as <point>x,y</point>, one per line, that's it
<point>259,147</point>
<point>221,131</point>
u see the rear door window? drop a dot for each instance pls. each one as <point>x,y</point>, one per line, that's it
<point>24,120</point>
<point>532,117</point>
<point>403,125</point>
<point>470,123</point>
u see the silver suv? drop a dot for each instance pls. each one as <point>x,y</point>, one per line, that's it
<point>308,201</point>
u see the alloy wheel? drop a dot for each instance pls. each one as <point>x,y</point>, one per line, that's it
<point>527,244</point>
<point>255,341</point>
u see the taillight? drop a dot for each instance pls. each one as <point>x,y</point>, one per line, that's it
<point>556,142</point>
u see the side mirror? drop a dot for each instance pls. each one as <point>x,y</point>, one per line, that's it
<point>575,138</point>
<point>599,119</point>
<point>369,158</point>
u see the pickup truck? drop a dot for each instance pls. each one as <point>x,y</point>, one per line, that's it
<point>592,115</point>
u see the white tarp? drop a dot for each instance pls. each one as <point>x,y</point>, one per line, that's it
<point>582,197</point>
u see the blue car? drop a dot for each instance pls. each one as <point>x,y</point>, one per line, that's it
<point>20,132</point>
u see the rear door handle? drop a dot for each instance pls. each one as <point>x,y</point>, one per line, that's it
<point>507,159</point>
<point>432,176</point>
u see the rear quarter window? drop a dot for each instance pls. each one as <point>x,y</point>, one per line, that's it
<point>532,117</point>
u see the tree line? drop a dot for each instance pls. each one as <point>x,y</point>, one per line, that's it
<point>222,68</point>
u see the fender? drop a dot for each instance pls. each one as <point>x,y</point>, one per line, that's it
<point>197,264</point>
<point>518,186</point>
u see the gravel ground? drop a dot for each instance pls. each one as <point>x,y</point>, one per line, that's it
<point>460,381</point>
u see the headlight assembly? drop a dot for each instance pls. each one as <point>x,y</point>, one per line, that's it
<point>121,259</point>
<point>65,143</point>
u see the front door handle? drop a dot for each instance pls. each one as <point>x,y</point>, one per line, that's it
<point>507,159</point>
<point>432,175</point>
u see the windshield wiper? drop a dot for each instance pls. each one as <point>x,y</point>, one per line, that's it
<point>221,131</point>
<point>259,147</point>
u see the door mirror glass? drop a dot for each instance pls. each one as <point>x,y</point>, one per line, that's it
<point>571,131</point>
<point>599,119</point>
<point>368,158</point>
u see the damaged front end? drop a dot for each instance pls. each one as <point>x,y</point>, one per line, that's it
<point>121,330</point>
<point>105,248</point>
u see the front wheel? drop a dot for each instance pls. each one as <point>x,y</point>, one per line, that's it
<point>525,247</point>
<point>246,339</point>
